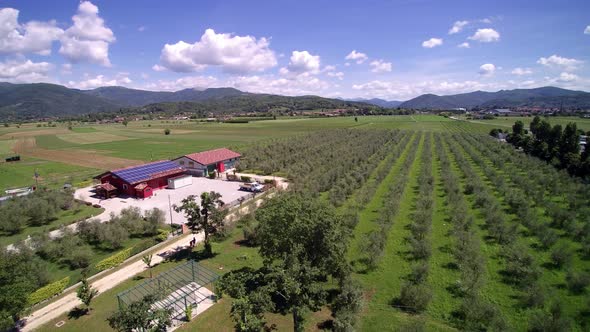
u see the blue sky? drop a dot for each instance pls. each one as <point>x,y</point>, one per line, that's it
<point>386,49</point>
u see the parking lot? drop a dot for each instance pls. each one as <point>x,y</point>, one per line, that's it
<point>229,192</point>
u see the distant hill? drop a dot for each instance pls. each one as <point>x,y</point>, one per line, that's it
<point>133,97</point>
<point>379,102</point>
<point>255,102</point>
<point>40,100</point>
<point>541,97</point>
<point>32,101</point>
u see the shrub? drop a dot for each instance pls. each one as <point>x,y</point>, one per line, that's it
<point>162,235</point>
<point>114,260</point>
<point>246,178</point>
<point>561,255</point>
<point>48,291</point>
<point>577,281</point>
<point>166,131</point>
<point>414,297</point>
<point>79,257</point>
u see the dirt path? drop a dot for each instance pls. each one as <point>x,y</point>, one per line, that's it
<point>28,147</point>
<point>68,302</point>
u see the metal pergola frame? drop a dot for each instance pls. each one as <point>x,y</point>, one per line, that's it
<point>175,289</point>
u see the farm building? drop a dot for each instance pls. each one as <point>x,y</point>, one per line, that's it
<point>203,163</point>
<point>138,181</point>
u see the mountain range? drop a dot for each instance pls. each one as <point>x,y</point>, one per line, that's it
<point>39,100</point>
<point>379,102</point>
<point>549,97</point>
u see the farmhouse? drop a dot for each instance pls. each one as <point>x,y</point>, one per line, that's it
<point>138,181</point>
<point>203,163</point>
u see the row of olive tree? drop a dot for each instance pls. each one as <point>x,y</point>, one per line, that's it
<point>37,209</point>
<point>416,293</point>
<point>476,312</point>
<point>375,240</point>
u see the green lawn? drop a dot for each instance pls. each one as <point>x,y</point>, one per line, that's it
<point>52,174</point>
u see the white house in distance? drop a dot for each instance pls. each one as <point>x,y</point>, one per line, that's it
<point>203,163</point>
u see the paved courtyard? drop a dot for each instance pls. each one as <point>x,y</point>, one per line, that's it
<point>229,192</point>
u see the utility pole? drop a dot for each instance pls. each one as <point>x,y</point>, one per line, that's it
<point>170,207</point>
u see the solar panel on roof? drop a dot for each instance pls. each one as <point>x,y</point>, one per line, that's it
<point>144,172</point>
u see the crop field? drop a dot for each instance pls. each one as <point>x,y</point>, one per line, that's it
<point>507,121</point>
<point>61,155</point>
<point>450,229</point>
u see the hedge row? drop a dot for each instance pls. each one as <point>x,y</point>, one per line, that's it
<point>114,260</point>
<point>48,291</point>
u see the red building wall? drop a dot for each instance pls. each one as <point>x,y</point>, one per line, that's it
<point>157,183</point>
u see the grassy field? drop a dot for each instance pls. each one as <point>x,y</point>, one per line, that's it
<point>460,140</point>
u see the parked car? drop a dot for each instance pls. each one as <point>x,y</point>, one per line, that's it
<point>254,187</point>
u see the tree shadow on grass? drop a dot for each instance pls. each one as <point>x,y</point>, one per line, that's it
<point>188,254</point>
<point>77,313</point>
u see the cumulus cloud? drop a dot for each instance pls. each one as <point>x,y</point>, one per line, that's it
<point>24,71</point>
<point>487,69</point>
<point>464,45</point>
<point>567,77</point>
<point>88,39</point>
<point>587,30</point>
<point>31,37</point>
<point>561,62</point>
<point>404,90</point>
<point>302,62</point>
<point>187,82</point>
<point>89,82</point>
<point>457,27</point>
<point>486,35</point>
<point>432,42</point>
<point>234,54</point>
<point>522,71</point>
<point>380,66</point>
<point>299,85</point>
<point>357,56</point>
<point>339,75</point>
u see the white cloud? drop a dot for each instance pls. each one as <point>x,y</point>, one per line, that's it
<point>339,75</point>
<point>88,39</point>
<point>464,45</point>
<point>432,42</point>
<point>567,77</point>
<point>234,54</point>
<point>141,28</point>
<point>380,66</point>
<point>299,85</point>
<point>302,62</point>
<point>24,71</point>
<point>587,30</point>
<point>404,90</point>
<point>122,79</point>
<point>31,37</point>
<point>357,56</point>
<point>457,27</point>
<point>557,61</point>
<point>486,35</point>
<point>187,82</point>
<point>522,71</point>
<point>66,68</point>
<point>487,69</point>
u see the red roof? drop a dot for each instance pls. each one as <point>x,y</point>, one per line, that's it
<point>107,186</point>
<point>213,156</point>
<point>141,186</point>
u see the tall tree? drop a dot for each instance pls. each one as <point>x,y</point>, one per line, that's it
<point>200,217</point>
<point>86,293</point>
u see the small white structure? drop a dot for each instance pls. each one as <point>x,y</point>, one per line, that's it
<point>180,181</point>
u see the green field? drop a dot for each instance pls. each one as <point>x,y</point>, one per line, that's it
<point>510,199</point>
<point>508,121</point>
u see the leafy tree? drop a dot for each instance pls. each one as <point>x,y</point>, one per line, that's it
<point>12,217</point>
<point>347,305</point>
<point>140,316</point>
<point>247,316</point>
<point>85,292</point>
<point>561,255</point>
<point>552,321</point>
<point>207,217</point>
<point>577,281</point>
<point>20,274</point>
<point>415,297</point>
<point>166,131</point>
<point>147,260</point>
